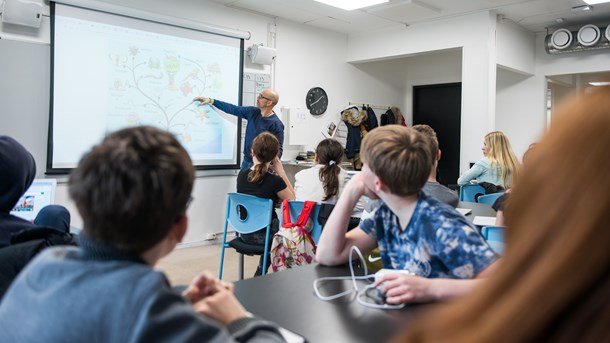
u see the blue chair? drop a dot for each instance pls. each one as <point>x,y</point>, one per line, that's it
<point>489,198</point>
<point>468,192</point>
<point>295,208</point>
<point>494,235</point>
<point>246,214</point>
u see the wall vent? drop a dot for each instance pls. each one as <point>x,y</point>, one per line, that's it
<point>588,37</point>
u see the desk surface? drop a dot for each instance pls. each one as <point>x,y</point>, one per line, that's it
<point>484,210</point>
<point>288,299</point>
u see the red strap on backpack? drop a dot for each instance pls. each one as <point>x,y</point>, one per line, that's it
<point>303,217</point>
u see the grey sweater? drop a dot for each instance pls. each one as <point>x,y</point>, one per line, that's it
<point>98,294</point>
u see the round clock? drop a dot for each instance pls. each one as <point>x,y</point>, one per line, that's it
<point>317,101</point>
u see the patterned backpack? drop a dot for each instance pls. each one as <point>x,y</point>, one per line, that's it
<point>292,245</point>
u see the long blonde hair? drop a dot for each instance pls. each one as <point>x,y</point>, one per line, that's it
<point>553,284</point>
<point>502,158</point>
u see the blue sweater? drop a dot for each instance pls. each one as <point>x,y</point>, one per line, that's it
<point>99,294</point>
<point>482,172</point>
<point>256,124</point>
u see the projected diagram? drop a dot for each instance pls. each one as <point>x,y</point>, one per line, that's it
<point>156,87</point>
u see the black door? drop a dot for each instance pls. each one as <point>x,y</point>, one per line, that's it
<point>440,106</point>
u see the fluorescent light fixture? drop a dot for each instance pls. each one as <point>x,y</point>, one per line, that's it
<point>595,2</point>
<point>599,84</point>
<point>349,5</point>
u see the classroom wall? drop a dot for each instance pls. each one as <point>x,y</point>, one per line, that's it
<point>475,35</point>
<point>307,57</point>
<point>515,47</point>
<point>517,104</point>
<point>522,98</point>
<point>376,67</point>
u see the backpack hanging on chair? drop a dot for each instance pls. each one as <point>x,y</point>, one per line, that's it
<point>292,245</point>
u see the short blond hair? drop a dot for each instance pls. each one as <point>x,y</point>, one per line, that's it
<point>399,156</point>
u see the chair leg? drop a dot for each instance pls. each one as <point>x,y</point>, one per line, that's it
<point>222,261</point>
<point>241,266</point>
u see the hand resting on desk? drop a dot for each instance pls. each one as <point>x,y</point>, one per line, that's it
<point>204,285</point>
<point>214,298</point>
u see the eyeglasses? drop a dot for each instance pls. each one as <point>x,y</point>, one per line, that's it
<point>261,96</point>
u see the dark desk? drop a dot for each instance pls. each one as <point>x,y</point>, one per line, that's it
<point>484,210</point>
<point>288,299</point>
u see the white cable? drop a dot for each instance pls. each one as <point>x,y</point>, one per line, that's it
<point>360,295</point>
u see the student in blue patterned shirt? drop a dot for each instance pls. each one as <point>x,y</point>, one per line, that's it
<point>414,232</point>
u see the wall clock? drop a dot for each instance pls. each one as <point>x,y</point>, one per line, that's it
<point>316,101</point>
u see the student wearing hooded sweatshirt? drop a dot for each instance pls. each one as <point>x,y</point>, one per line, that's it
<point>17,171</point>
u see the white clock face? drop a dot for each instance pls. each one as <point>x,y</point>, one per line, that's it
<point>316,101</point>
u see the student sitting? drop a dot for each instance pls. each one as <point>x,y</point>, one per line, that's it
<point>17,171</point>
<point>499,165</point>
<point>132,191</point>
<point>324,182</point>
<point>554,282</point>
<point>260,182</point>
<point>432,187</point>
<point>413,231</point>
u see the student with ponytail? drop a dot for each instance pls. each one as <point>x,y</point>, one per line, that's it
<point>324,182</point>
<point>260,181</point>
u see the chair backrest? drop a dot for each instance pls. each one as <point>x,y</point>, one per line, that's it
<point>489,198</point>
<point>494,235</point>
<point>468,192</point>
<point>295,208</point>
<point>248,213</point>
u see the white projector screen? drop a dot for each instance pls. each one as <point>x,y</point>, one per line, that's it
<point>110,72</point>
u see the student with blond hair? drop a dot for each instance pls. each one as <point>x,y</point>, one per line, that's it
<point>413,231</point>
<point>499,165</point>
<point>554,284</point>
<point>265,179</point>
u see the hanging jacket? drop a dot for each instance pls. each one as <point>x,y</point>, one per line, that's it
<point>387,118</point>
<point>353,118</point>
<point>371,121</point>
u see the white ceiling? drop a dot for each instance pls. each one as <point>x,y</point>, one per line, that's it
<point>534,15</point>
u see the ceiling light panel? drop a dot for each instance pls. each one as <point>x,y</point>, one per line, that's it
<point>349,5</point>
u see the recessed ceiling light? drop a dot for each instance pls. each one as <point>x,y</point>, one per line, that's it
<point>349,5</point>
<point>598,84</point>
<point>595,2</point>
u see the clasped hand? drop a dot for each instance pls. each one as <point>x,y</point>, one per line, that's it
<point>214,298</point>
<point>402,288</point>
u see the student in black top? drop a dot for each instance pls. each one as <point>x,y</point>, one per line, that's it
<point>260,181</point>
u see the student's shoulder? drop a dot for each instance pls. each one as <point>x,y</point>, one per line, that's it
<point>437,209</point>
<point>485,162</point>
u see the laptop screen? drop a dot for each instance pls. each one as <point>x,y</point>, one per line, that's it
<point>40,194</point>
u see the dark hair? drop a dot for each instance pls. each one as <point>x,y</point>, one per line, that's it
<point>132,187</point>
<point>399,156</point>
<point>429,132</point>
<point>329,154</point>
<point>265,147</point>
<point>557,221</point>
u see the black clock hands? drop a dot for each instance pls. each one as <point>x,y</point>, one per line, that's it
<point>320,98</point>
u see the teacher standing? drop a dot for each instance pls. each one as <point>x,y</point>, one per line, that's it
<point>260,119</point>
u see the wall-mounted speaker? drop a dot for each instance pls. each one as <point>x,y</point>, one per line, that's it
<point>261,54</point>
<point>588,37</point>
<point>22,12</point>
